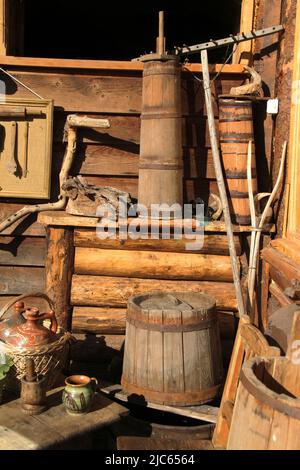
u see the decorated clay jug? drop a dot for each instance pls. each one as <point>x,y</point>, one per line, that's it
<point>32,333</point>
<point>78,394</point>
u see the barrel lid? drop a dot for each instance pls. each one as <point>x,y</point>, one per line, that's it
<point>181,301</point>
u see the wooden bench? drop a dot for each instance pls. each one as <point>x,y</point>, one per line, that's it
<point>55,429</point>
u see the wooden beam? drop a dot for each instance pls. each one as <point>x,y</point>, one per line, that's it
<point>59,269</point>
<point>153,264</point>
<point>294,163</point>
<point>34,62</point>
<point>101,291</point>
<point>62,219</point>
<point>3,28</point>
<point>243,52</point>
<point>214,244</point>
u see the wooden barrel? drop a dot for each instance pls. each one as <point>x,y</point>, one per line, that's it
<point>266,414</point>
<point>161,162</point>
<point>236,129</point>
<point>172,349</point>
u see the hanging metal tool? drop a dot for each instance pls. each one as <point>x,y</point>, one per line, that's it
<point>12,164</point>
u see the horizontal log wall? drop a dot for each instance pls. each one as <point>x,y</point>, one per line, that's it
<point>105,320</point>
<point>153,264</point>
<point>103,291</point>
<point>213,243</point>
<point>107,157</point>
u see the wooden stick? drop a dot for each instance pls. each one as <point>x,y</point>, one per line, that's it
<point>161,35</point>
<point>252,210</point>
<point>12,165</point>
<point>85,121</point>
<point>61,203</point>
<point>253,267</point>
<point>221,184</point>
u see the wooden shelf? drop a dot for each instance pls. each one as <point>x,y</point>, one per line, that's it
<point>36,62</point>
<point>62,219</point>
<point>206,413</point>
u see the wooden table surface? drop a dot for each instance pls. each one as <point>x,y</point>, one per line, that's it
<point>53,428</point>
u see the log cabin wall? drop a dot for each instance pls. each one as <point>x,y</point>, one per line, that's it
<point>110,90</point>
<point>109,157</point>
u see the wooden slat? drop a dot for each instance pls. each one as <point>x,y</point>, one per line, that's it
<point>282,269</point>
<point>151,443</point>
<point>20,251</point>
<point>279,295</point>
<point>152,265</point>
<point>120,94</point>
<point>123,160</point>
<point>19,280</point>
<point>123,130</point>
<point>107,160</point>
<point>193,188</point>
<point>26,226</point>
<point>38,302</point>
<point>99,320</point>
<point>35,62</point>
<point>62,219</point>
<point>202,412</point>
<point>115,291</point>
<point>84,94</point>
<point>214,243</point>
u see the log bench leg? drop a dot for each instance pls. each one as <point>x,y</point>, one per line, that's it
<point>59,271</point>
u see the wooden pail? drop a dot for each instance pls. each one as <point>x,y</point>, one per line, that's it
<point>172,348</point>
<point>236,129</point>
<point>266,414</point>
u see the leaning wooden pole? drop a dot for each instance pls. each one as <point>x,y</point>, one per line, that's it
<point>221,183</point>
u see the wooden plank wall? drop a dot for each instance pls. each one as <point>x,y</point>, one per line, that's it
<point>109,157</point>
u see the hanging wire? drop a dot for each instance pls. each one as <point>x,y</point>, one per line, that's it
<point>20,83</point>
<point>221,69</point>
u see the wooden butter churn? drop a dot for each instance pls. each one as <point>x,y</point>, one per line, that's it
<point>161,162</point>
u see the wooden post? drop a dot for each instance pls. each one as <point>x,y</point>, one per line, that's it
<point>294,164</point>
<point>243,52</point>
<point>59,270</point>
<point>221,184</point>
<point>265,294</point>
<point>3,35</point>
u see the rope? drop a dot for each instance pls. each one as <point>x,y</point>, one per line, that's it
<point>20,83</point>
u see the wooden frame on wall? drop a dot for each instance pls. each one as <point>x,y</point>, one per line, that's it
<point>26,132</point>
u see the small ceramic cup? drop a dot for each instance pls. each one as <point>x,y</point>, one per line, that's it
<point>78,394</point>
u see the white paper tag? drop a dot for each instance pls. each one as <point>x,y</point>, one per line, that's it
<point>272,106</point>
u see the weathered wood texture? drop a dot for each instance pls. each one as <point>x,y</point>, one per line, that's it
<point>53,429</point>
<point>101,291</point>
<point>283,270</point>
<point>16,280</point>
<point>22,251</point>
<point>59,270</point>
<point>172,350</point>
<point>267,407</point>
<point>108,156</point>
<point>110,320</point>
<point>214,243</point>
<point>151,264</point>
